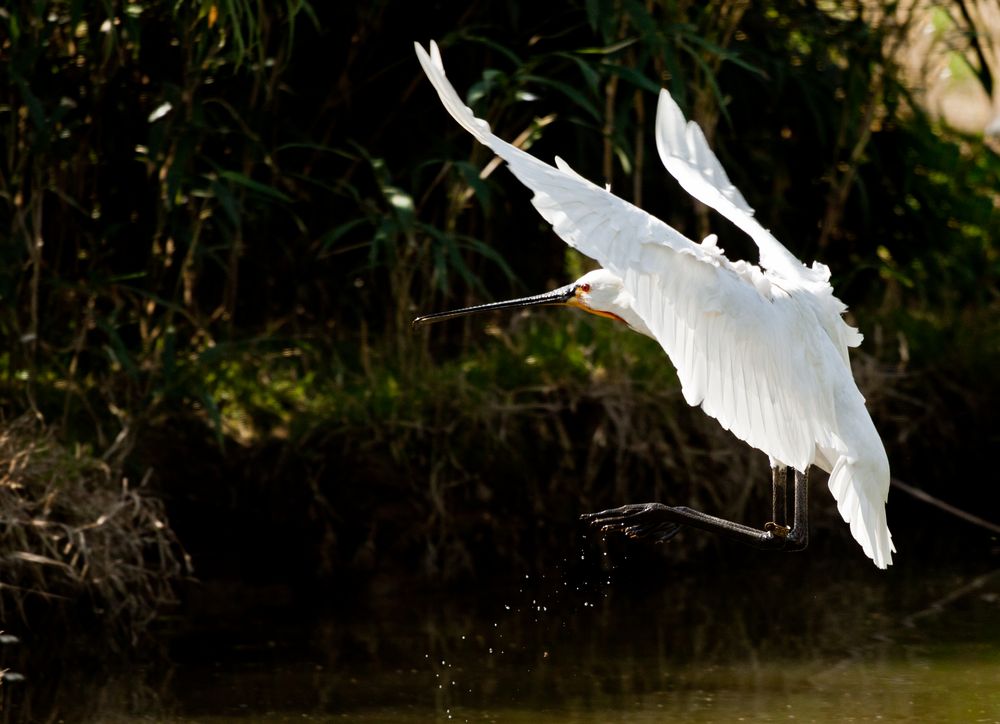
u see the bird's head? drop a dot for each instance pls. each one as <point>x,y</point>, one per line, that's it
<point>602,293</point>
<point>599,292</point>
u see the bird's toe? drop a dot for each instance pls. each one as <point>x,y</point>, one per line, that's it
<point>777,530</point>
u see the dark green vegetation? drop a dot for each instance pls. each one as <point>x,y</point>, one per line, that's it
<point>218,220</point>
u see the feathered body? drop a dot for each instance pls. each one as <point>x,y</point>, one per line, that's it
<point>762,349</point>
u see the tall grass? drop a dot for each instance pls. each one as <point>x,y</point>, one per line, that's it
<point>72,531</point>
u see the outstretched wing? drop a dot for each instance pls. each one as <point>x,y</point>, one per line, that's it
<point>849,448</point>
<point>771,373</point>
<point>731,351</point>
<point>596,222</point>
<point>689,159</point>
<point>751,355</point>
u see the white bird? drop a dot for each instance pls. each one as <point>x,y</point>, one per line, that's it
<point>763,348</point>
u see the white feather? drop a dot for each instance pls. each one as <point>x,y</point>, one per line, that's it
<point>763,352</point>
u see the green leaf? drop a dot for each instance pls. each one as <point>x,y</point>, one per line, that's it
<point>470,174</point>
<point>489,253</point>
<point>401,204</point>
<point>633,76</point>
<point>35,109</point>
<point>117,349</point>
<point>608,49</point>
<point>489,43</point>
<point>212,408</point>
<point>330,238</point>
<point>590,76</point>
<point>491,79</point>
<point>570,92</point>
<point>228,200</point>
<point>256,186</point>
<point>710,77</point>
<point>726,54</point>
<point>310,147</point>
<point>641,19</point>
<point>593,10</point>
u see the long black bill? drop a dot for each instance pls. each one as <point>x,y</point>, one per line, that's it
<point>562,295</point>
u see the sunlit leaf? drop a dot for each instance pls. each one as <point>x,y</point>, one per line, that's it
<point>160,111</point>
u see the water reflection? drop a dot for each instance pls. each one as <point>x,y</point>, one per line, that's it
<point>724,649</point>
<point>720,646</point>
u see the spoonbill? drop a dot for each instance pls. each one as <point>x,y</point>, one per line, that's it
<point>762,348</point>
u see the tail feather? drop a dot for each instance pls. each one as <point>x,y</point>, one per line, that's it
<point>863,509</point>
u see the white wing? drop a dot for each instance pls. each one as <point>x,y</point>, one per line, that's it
<point>769,371</point>
<point>687,156</point>
<point>749,353</point>
<point>859,480</point>
<point>604,226</point>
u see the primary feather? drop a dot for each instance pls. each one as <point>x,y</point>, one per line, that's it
<point>762,349</point>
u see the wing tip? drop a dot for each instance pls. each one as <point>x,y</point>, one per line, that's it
<point>433,67</point>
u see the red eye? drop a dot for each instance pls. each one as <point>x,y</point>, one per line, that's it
<point>584,288</point>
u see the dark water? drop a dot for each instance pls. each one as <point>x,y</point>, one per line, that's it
<point>791,644</point>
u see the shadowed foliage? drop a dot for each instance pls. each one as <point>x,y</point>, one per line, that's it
<point>217,221</point>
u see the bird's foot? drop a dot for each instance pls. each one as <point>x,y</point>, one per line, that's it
<point>658,523</point>
<point>777,530</point>
<point>645,521</point>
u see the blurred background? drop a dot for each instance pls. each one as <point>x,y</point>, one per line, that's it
<point>217,220</point>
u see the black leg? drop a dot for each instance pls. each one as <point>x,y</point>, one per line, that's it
<point>779,491</point>
<point>779,524</point>
<point>798,536</point>
<point>645,520</point>
<point>658,522</point>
